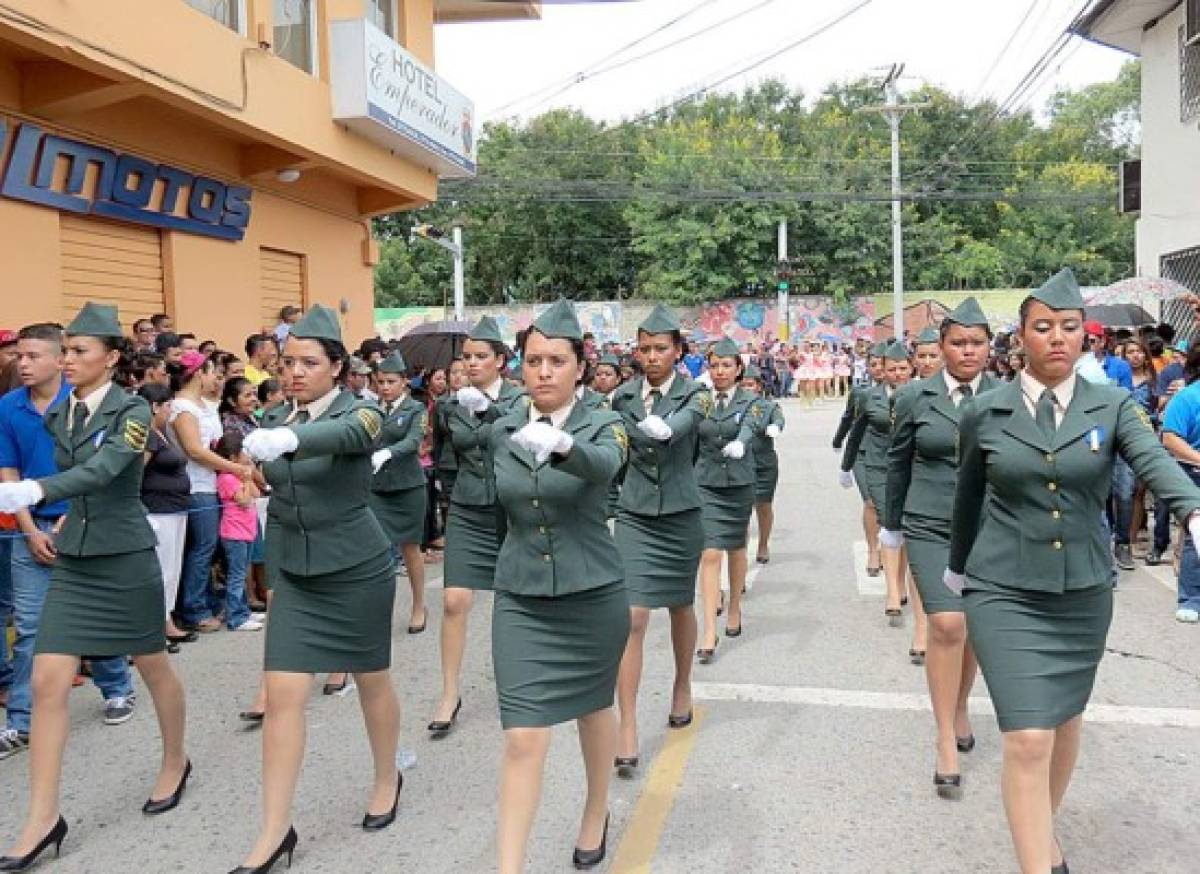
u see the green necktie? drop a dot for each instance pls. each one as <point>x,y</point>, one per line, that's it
<point>1045,414</point>
<point>966,391</point>
<point>301,417</point>
<point>78,421</point>
<point>722,401</point>
<point>655,397</point>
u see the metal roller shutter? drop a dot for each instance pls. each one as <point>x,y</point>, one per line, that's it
<point>281,283</point>
<point>111,263</point>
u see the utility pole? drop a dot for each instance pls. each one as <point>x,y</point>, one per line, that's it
<point>895,111</point>
<point>784,327</point>
<point>454,246</point>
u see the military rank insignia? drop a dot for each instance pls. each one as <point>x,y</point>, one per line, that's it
<point>135,435</point>
<point>1143,416</point>
<point>706,403</point>
<point>622,437</point>
<point>371,420</point>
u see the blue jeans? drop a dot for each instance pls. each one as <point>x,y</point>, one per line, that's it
<point>5,606</point>
<point>30,581</point>
<point>1122,496</point>
<point>237,563</point>
<point>1162,525</point>
<point>196,599</point>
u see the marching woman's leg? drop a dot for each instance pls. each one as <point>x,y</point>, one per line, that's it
<point>598,743</point>
<point>381,713</point>
<point>171,709</point>
<point>944,665</point>
<point>765,511</point>
<point>962,717</point>
<point>1062,765</point>
<point>415,563</point>
<point>871,531</point>
<point>456,607</point>
<point>737,585</point>
<point>1025,781</point>
<point>683,644</point>
<point>710,591</point>
<point>520,792</point>
<point>630,678</point>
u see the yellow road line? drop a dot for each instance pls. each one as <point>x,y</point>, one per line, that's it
<point>639,844</point>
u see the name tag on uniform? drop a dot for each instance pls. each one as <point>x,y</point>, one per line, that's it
<point>1095,437</point>
<point>99,438</point>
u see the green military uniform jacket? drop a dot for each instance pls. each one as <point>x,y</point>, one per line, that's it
<point>854,401</point>
<point>922,461</point>
<point>403,431</point>
<point>557,541</point>
<point>475,486</point>
<point>661,476</point>
<point>872,421</point>
<point>319,492</point>
<point>593,400</point>
<point>101,473</point>
<point>442,449</point>
<point>1027,509</point>
<point>744,418</point>
<point>765,457</point>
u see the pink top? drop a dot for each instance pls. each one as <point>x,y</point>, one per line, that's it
<point>237,522</point>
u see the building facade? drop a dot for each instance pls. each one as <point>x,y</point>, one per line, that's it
<point>218,159</point>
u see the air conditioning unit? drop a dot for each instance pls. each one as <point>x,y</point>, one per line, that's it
<point>1129,196</point>
<point>1191,22</point>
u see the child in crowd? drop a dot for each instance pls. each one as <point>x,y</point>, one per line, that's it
<point>270,393</point>
<point>239,527</point>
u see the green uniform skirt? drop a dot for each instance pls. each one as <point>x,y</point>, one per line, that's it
<point>766,478</point>
<point>472,544</point>
<point>1038,651</point>
<point>876,480</point>
<point>726,513</point>
<point>333,622</point>
<point>402,514</point>
<point>860,479</point>
<point>661,555</point>
<point>103,606</point>
<point>928,544</point>
<point>556,659</point>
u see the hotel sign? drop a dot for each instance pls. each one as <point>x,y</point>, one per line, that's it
<point>388,96</point>
<point>79,177</point>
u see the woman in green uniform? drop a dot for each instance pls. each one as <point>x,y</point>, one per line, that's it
<point>106,595</point>
<point>927,353</point>
<point>606,378</point>
<point>855,402</point>
<point>560,616</point>
<point>442,450</point>
<point>659,531</point>
<point>725,478</point>
<point>1029,552</point>
<point>766,463</point>
<point>398,489</point>
<point>922,472</point>
<point>335,584</point>
<point>472,533</point>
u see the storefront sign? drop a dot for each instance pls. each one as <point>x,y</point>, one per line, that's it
<point>388,96</point>
<point>54,171</point>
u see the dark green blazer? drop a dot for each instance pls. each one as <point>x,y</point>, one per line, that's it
<point>593,400</point>
<point>557,540</point>
<point>442,449</point>
<point>403,431</point>
<point>854,402</point>
<point>1027,509</point>
<point>661,477</point>
<point>872,430</point>
<point>765,457</point>
<point>922,460</point>
<point>469,433</point>
<point>319,492</point>
<point>101,474</point>
<point>744,418</point>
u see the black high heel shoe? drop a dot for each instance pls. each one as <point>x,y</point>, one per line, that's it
<point>585,859</point>
<point>154,807</point>
<point>684,721</point>
<point>948,786</point>
<point>439,729</point>
<point>20,863</point>
<point>965,744</point>
<point>626,766</point>
<point>1061,867</point>
<point>376,822</point>
<point>285,849</point>
<point>706,655</point>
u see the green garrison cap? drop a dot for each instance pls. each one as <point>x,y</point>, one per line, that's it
<point>610,360</point>
<point>724,348</point>
<point>558,321</point>
<point>96,320</point>
<point>1060,292</point>
<point>929,335</point>
<point>752,372</point>
<point>896,351</point>
<point>879,348</point>
<point>660,321</point>
<point>394,363</point>
<point>969,314</point>
<point>486,329</point>
<point>319,323</point>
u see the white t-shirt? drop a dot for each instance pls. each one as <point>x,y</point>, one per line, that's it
<point>204,480</point>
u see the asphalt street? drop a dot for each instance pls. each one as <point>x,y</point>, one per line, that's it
<point>812,750</point>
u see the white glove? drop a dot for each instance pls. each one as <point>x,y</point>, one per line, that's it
<point>542,440</point>
<point>890,539</point>
<point>846,479</point>
<point>773,431</point>
<point>1193,527</point>
<point>655,428</point>
<point>268,444</point>
<point>379,459</point>
<point>473,399</point>
<point>954,582</point>
<point>18,496</point>
<point>735,450</point>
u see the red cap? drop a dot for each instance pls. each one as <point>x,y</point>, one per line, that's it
<point>192,361</point>
<point>7,336</point>
<point>1094,328</point>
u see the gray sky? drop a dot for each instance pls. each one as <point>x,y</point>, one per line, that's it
<point>951,43</point>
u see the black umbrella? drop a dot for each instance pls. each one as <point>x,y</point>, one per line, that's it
<point>1119,315</point>
<point>431,345</point>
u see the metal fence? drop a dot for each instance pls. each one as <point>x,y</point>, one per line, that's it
<point>1182,266</point>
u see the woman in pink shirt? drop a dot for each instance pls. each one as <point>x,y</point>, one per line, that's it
<point>238,529</point>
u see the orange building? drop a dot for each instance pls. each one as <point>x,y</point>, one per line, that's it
<point>218,159</point>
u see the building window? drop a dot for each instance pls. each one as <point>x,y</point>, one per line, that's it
<point>1183,267</point>
<point>231,13</point>
<point>1189,79</point>
<point>296,33</point>
<point>382,14</point>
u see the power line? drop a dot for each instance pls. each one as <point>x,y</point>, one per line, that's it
<point>1004,50</point>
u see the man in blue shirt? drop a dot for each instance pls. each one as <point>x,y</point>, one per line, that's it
<point>694,361</point>
<point>27,452</point>
<point>1116,369</point>
<point>1181,436</point>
